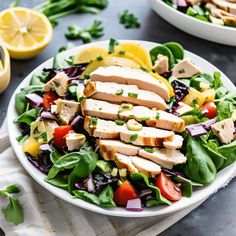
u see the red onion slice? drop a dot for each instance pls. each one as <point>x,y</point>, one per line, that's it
<point>34,99</point>
<point>134,205</point>
<point>46,115</point>
<point>90,184</point>
<point>196,130</point>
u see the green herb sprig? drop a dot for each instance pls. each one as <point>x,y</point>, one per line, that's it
<point>129,20</point>
<point>14,211</point>
<point>85,34</point>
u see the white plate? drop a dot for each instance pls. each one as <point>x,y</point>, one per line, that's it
<point>216,33</point>
<point>197,196</point>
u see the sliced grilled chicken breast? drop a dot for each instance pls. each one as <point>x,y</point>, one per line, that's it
<point>123,161</point>
<point>147,136</point>
<point>106,129</point>
<point>137,77</point>
<point>175,143</point>
<point>146,167</point>
<point>101,128</point>
<point>101,109</point>
<point>108,148</point>
<point>165,157</point>
<point>118,93</point>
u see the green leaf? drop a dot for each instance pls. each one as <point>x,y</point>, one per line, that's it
<point>29,116</point>
<point>224,110</point>
<point>133,137</point>
<point>217,80</point>
<point>106,197</point>
<point>176,49</point>
<point>104,166</point>
<point>229,152</point>
<point>163,50</point>
<point>39,79</point>
<point>14,212</point>
<point>199,166</point>
<point>20,102</point>
<point>12,189</point>
<point>85,166</point>
<point>129,20</point>
<point>59,181</point>
<point>54,156</point>
<point>15,3</point>
<point>141,178</point>
<point>212,149</point>
<point>89,197</point>
<point>186,185</point>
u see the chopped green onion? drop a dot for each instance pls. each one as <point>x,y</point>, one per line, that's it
<point>119,92</point>
<point>133,95</point>
<point>119,122</point>
<point>133,137</point>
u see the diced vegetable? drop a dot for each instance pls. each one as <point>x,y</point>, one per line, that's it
<point>48,99</point>
<point>167,187</point>
<point>134,205</point>
<point>59,135</point>
<point>209,109</point>
<point>124,193</point>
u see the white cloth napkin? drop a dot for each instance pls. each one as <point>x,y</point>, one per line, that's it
<point>45,214</point>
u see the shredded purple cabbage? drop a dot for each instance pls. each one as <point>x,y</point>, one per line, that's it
<point>25,129</point>
<point>181,90</point>
<point>102,180</point>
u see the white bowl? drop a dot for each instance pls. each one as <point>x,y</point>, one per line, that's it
<point>216,33</point>
<point>198,195</point>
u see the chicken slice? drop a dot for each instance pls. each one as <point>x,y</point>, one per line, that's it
<point>101,128</point>
<point>224,130</point>
<point>185,69</point>
<point>147,136</point>
<point>149,168</point>
<point>66,109</point>
<point>124,162</point>
<point>108,149</point>
<point>118,93</point>
<point>59,83</point>
<point>175,143</point>
<point>165,157</point>
<point>74,140</point>
<point>161,64</point>
<point>131,76</point>
<point>100,109</point>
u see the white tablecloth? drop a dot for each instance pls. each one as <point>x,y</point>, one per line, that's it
<point>46,214</point>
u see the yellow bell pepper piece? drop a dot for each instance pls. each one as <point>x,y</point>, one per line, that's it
<point>210,95</point>
<point>31,146</point>
<point>194,94</point>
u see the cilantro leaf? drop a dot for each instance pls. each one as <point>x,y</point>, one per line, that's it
<point>129,20</point>
<point>14,212</point>
<point>85,34</point>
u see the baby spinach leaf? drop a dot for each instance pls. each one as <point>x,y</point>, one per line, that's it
<point>199,166</point>
<point>59,181</point>
<point>67,161</point>
<point>229,152</point>
<point>224,110</point>
<point>39,79</point>
<point>54,156</point>
<point>29,116</point>
<point>139,177</point>
<point>212,149</point>
<point>86,196</point>
<point>20,102</point>
<point>84,167</point>
<point>186,185</point>
<point>106,197</point>
<point>104,166</point>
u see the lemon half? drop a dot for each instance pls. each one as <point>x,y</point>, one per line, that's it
<point>24,32</point>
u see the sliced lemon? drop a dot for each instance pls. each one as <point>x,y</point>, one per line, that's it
<point>24,32</point>
<point>129,56</point>
<point>137,50</point>
<point>89,54</point>
<point>110,61</point>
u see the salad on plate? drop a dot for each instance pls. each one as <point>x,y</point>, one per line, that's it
<point>126,127</point>
<point>219,12</point>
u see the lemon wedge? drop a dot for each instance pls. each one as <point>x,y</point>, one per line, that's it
<point>89,54</point>
<point>24,32</point>
<point>138,52</point>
